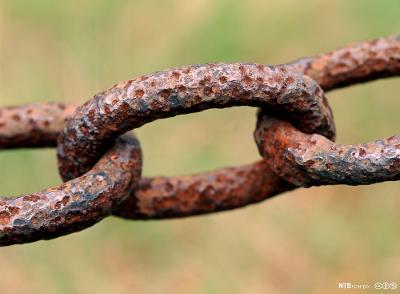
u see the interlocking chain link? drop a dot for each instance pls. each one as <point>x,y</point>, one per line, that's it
<point>77,204</point>
<point>295,133</point>
<point>131,104</point>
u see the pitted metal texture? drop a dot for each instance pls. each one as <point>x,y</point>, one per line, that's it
<point>356,63</point>
<point>294,134</point>
<point>133,103</point>
<point>309,160</point>
<point>158,197</point>
<point>74,205</point>
<point>312,160</point>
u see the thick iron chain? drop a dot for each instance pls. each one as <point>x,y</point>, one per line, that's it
<point>295,134</point>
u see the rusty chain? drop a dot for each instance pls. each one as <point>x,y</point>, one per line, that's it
<point>295,135</point>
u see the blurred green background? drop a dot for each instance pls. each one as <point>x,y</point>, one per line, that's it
<point>305,241</point>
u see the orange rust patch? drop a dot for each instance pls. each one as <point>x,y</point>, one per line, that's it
<point>176,74</point>
<point>223,80</point>
<point>4,217</point>
<point>139,93</point>
<point>31,198</point>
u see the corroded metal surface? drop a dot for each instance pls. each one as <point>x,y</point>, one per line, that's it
<point>309,160</point>
<point>312,160</point>
<point>131,104</point>
<point>32,125</point>
<point>74,205</point>
<point>159,197</point>
<point>294,132</point>
<point>360,62</point>
<point>223,189</point>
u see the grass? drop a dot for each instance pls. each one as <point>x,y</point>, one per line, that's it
<point>301,242</point>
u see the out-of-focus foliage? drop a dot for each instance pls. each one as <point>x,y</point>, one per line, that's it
<point>301,242</point>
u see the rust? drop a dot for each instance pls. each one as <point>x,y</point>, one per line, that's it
<point>74,205</point>
<point>223,189</point>
<point>32,125</point>
<point>95,125</point>
<point>309,160</point>
<point>313,160</point>
<point>167,197</point>
<point>295,134</point>
<point>356,63</point>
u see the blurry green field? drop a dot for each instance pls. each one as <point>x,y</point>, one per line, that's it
<point>305,241</point>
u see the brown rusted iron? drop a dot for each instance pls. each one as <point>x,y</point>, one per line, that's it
<point>302,157</point>
<point>128,105</point>
<point>32,125</point>
<point>74,205</point>
<point>156,197</point>
<point>313,160</point>
<point>356,63</point>
<point>219,190</point>
<point>309,160</point>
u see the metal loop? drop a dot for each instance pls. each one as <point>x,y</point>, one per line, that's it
<point>32,125</point>
<point>156,197</point>
<point>294,115</point>
<point>356,63</point>
<point>185,90</point>
<point>74,205</point>
<point>309,160</point>
<point>313,160</point>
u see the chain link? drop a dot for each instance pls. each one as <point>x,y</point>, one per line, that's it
<point>295,135</point>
